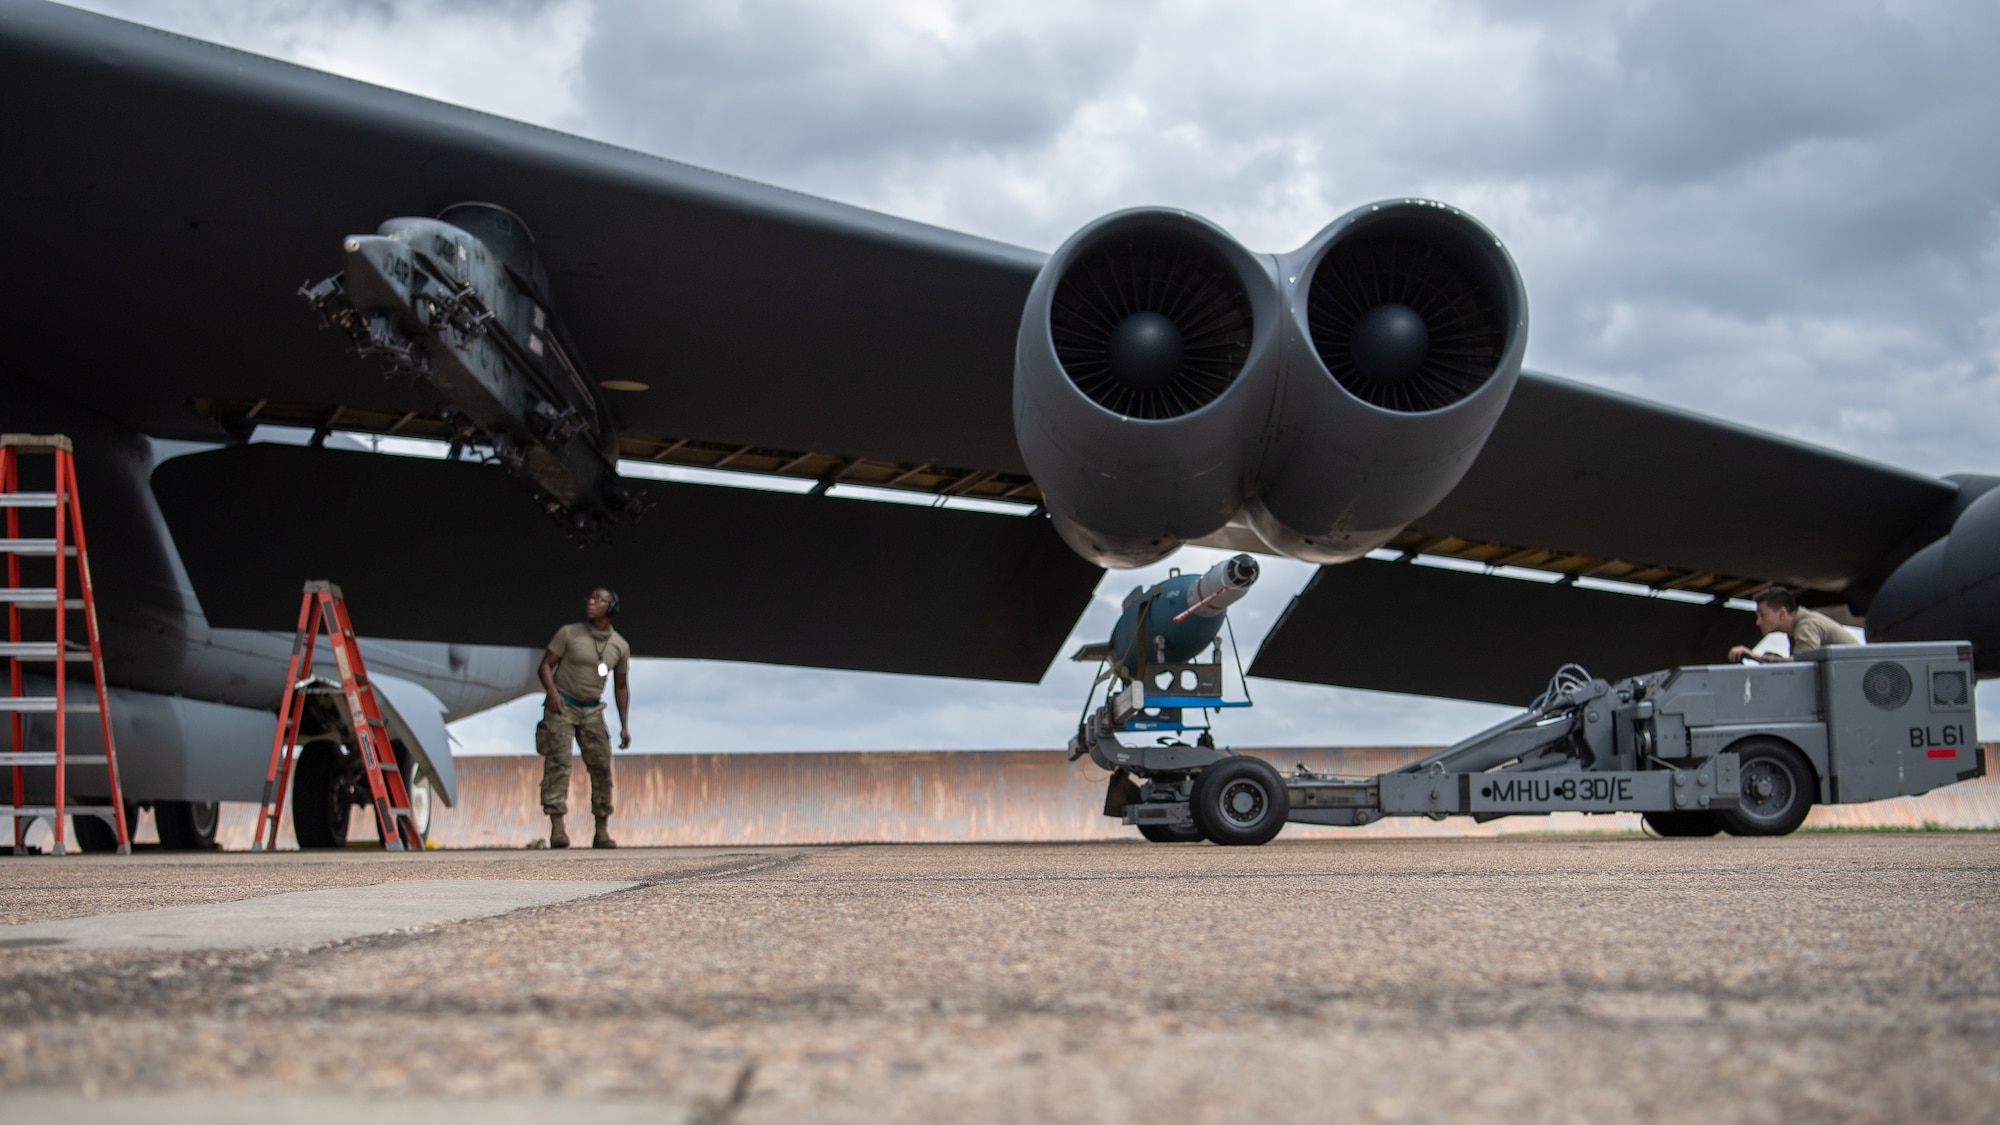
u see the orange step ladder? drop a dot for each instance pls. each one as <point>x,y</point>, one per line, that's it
<point>325,607</point>
<point>65,542</point>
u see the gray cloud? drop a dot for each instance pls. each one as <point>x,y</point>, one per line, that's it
<point>763,87</point>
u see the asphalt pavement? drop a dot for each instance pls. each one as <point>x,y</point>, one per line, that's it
<point>1837,976</point>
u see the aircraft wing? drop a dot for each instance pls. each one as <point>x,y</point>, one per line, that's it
<point>1603,483</point>
<point>1588,484</point>
<point>441,551</point>
<point>166,198</point>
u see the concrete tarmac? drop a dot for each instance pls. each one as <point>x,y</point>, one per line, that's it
<point>1850,977</point>
<point>303,918</point>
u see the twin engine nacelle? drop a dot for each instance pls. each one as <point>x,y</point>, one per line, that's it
<point>1167,379</point>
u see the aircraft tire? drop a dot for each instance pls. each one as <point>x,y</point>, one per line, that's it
<point>322,796</point>
<point>1170,833</point>
<point>419,790</point>
<point>1240,801</point>
<point>95,834</point>
<point>1683,824</point>
<point>1778,787</point>
<point>187,826</point>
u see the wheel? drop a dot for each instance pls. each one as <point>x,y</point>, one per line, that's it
<point>187,826</point>
<point>419,790</point>
<point>421,803</point>
<point>1170,833</point>
<point>1240,800</point>
<point>1673,824</point>
<point>323,788</point>
<point>1778,788</point>
<point>95,834</point>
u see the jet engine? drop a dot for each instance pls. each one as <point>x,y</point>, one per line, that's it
<point>1950,590</point>
<point>1167,379</point>
<point>1405,327</point>
<point>1142,380</point>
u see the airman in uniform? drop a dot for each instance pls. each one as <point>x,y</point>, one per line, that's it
<point>1778,612</point>
<point>578,661</point>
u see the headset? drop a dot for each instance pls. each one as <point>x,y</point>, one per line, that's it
<point>611,609</point>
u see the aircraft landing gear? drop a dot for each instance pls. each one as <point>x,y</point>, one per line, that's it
<point>187,826</point>
<point>327,783</point>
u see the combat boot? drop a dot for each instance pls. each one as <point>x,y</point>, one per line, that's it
<point>603,837</point>
<point>557,837</point>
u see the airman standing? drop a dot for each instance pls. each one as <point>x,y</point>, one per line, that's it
<point>578,661</point>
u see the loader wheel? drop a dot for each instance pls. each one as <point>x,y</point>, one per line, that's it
<point>1170,833</point>
<point>187,826</point>
<point>324,782</point>
<point>1778,787</point>
<point>1676,824</point>
<point>1240,800</point>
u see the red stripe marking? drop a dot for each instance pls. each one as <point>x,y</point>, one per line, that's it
<point>1941,752</point>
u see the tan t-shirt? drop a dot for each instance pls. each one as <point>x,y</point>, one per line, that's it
<point>1812,629</point>
<point>580,651</point>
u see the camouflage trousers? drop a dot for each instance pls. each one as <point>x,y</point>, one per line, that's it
<point>553,735</point>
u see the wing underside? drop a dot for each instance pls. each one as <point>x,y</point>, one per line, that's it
<point>1588,484</point>
<point>1421,630</point>
<point>429,550</point>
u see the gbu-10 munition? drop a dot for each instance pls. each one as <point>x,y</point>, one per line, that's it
<point>1157,687</point>
<point>1179,617</point>
<point>462,300</point>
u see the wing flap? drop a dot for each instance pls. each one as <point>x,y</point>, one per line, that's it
<point>1422,630</point>
<point>1590,481</point>
<point>436,551</point>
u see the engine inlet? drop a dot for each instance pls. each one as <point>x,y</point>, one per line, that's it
<point>1404,324</point>
<point>1151,329</point>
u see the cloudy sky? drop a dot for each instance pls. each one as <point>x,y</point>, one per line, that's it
<point>1786,213</point>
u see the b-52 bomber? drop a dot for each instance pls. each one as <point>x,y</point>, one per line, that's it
<point>554,308</point>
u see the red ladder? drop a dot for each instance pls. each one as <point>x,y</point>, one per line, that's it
<point>324,606</point>
<point>66,543</point>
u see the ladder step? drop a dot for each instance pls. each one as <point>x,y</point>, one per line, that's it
<point>37,596</point>
<point>27,811</point>
<point>40,650</point>
<point>42,703</point>
<point>48,758</point>
<point>27,499</point>
<point>34,547</point>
